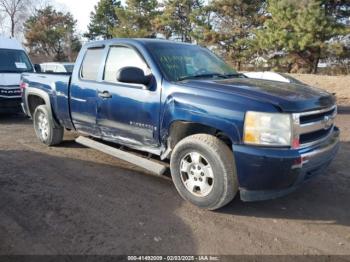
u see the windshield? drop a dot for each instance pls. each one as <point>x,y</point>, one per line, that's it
<point>14,61</point>
<point>69,68</point>
<point>179,62</point>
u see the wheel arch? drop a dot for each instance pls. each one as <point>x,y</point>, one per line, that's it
<point>36,97</point>
<point>180,129</point>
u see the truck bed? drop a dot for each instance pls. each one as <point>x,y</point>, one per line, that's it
<point>57,87</point>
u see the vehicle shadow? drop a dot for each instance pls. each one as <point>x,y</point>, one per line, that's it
<point>69,142</point>
<point>57,205</point>
<point>14,119</point>
<point>322,200</point>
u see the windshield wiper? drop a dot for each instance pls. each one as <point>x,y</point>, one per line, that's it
<point>202,75</point>
<point>209,75</point>
<point>234,75</point>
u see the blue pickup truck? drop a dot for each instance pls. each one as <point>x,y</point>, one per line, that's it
<point>221,132</point>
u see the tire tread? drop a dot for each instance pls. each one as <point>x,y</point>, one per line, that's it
<point>57,132</point>
<point>219,148</point>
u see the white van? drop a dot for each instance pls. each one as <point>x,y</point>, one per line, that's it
<point>13,62</point>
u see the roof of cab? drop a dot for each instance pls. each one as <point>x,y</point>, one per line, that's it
<point>144,41</point>
<point>10,43</point>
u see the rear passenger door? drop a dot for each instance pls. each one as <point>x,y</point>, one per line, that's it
<point>131,114</point>
<point>83,92</point>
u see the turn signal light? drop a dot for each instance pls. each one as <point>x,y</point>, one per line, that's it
<point>23,86</point>
<point>295,143</point>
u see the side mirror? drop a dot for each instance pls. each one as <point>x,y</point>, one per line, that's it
<point>132,75</point>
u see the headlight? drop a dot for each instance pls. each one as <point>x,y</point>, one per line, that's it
<point>271,129</point>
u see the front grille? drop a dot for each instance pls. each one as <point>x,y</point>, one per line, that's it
<point>314,126</point>
<point>10,91</point>
<point>316,117</point>
<point>314,136</point>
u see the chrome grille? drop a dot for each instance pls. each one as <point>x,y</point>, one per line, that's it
<point>12,91</point>
<point>312,127</point>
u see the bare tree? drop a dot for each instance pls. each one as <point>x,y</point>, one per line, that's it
<point>16,11</point>
<point>36,5</point>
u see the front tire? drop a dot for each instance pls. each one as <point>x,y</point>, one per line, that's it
<point>204,172</point>
<point>45,128</point>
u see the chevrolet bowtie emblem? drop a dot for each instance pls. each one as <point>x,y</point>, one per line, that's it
<point>327,121</point>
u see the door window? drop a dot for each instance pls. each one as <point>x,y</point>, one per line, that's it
<point>119,57</point>
<point>91,64</point>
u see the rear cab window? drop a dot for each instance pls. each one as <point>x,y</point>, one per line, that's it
<point>91,64</point>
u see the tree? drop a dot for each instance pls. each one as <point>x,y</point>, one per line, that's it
<point>300,29</point>
<point>179,19</point>
<point>135,19</point>
<point>339,9</point>
<point>231,28</point>
<point>16,11</point>
<point>2,24</point>
<point>103,19</point>
<point>52,33</point>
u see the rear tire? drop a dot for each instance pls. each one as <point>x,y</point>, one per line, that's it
<point>45,128</point>
<point>204,171</point>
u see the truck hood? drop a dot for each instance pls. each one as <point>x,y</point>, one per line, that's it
<point>9,79</point>
<point>288,97</point>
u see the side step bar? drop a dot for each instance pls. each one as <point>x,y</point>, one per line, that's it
<point>152,166</point>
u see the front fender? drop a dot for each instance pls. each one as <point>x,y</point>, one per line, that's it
<point>204,111</point>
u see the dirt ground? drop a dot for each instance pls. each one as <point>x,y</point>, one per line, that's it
<point>74,200</point>
<point>340,85</point>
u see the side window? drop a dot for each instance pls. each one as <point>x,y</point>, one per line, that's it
<point>119,57</point>
<point>91,64</point>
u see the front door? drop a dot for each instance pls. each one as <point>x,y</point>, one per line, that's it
<point>128,113</point>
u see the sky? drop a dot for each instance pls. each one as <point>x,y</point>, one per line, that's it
<point>80,9</point>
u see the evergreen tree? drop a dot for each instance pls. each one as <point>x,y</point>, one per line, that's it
<point>340,9</point>
<point>300,29</point>
<point>103,19</point>
<point>135,19</point>
<point>231,26</point>
<point>179,19</point>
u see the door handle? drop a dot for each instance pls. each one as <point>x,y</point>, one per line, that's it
<point>104,94</point>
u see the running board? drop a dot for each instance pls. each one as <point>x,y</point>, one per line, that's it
<point>152,166</point>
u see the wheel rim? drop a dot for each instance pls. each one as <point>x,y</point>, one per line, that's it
<point>43,126</point>
<point>196,174</point>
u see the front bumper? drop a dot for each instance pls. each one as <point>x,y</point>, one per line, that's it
<point>267,173</point>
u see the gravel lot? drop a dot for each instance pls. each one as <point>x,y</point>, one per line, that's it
<point>74,200</point>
